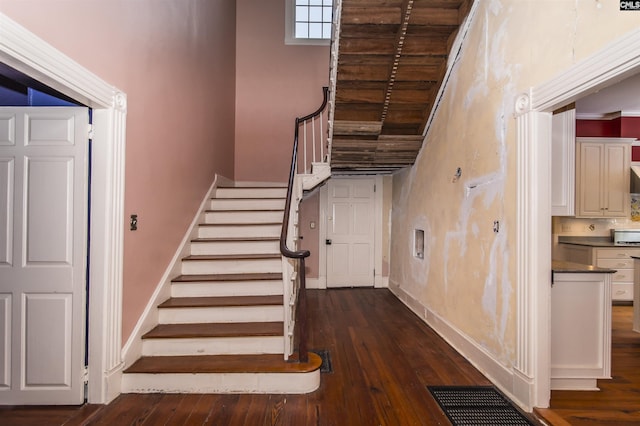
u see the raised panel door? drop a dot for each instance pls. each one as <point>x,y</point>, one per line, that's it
<point>616,183</point>
<point>43,217</point>
<point>590,179</point>
<point>350,233</point>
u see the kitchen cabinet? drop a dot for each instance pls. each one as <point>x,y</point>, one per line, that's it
<point>617,258</point>
<point>603,177</point>
<point>620,260</point>
<point>636,294</point>
<point>580,330</point>
<point>563,159</point>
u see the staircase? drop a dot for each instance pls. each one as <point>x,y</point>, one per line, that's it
<point>222,329</point>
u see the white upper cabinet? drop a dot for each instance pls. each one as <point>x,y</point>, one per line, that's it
<point>602,177</point>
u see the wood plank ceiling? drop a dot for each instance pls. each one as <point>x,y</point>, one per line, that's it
<point>391,64</point>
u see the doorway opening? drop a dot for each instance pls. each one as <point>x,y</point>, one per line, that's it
<point>534,108</point>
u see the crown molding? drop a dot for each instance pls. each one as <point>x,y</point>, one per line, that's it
<point>606,116</point>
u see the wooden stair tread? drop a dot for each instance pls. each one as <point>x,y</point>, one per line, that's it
<point>192,364</point>
<point>234,239</point>
<point>248,198</point>
<point>240,224</point>
<point>228,277</point>
<point>244,211</point>
<point>275,186</point>
<point>233,256</point>
<point>225,301</point>
<point>245,329</point>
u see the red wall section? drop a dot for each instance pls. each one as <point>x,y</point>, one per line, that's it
<point>624,127</point>
<point>630,127</point>
<point>598,128</point>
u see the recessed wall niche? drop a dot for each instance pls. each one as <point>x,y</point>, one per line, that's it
<point>418,243</point>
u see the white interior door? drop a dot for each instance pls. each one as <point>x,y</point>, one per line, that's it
<point>43,239</point>
<point>350,232</point>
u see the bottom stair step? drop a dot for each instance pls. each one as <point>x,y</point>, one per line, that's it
<point>214,339</point>
<point>222,374</point>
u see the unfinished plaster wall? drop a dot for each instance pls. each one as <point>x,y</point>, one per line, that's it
<point>467,277</point>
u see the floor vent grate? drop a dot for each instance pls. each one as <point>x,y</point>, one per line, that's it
<point>477,405</point>
<point>326,366</point>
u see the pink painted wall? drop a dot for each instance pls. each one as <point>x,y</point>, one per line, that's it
<point>175,59</point>
<point>275,83</point>
<point>310,213</point>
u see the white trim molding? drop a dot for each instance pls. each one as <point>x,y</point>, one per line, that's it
<point>615,62</point>
<point>607,116</point>
<point>32,56</point>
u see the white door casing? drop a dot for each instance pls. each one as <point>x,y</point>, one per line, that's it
<point>616,61</point>
<point>350,238</point>
<point>44,187</point>
<point>30,55</point>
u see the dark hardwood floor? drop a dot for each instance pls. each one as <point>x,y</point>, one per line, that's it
<point>618,401</point>
<point>383,358</point>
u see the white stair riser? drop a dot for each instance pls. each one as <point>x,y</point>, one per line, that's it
<point>225,314</point>
<point>294,383</point>
<point>235,217</point>
<point>214,346</point>
<point>244,204</point>
<point>257,230</point>
<point>227,288</point>
<point>235,247</point>
<point>240,192</point>
<point>236,266</point>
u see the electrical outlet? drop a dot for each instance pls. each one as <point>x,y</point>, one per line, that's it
<point>496,226</point>
<point>133,222</point>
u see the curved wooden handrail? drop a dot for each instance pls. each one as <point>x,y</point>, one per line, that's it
<point>301,311</point>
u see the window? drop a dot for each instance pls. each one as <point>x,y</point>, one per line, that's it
<point>308,21</point>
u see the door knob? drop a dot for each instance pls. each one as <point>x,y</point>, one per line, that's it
<point>328,242</point>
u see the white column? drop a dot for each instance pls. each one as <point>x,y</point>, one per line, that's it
<point>532,373</point>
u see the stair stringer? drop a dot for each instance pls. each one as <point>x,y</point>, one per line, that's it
<point>132,349</point>
<point>320,172</point>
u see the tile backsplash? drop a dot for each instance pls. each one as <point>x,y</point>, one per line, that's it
<point>571,226</point>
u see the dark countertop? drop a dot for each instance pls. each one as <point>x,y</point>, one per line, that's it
<point>560,266</point>
<point>590,241</point>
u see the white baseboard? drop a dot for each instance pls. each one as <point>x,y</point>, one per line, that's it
<point>113,383</point>
<point>501,376</point>
<point>319,283</point>
<point>381,282</point>
<point>132,350</point>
